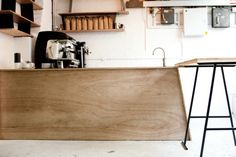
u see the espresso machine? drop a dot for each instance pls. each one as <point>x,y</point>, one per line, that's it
<point>59,50</point>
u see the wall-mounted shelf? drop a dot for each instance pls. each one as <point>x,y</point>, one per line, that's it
<point>187,3</point>
<point>14,32</point>
<point>91,20</point>
<point>35,5</point>
<point>18,18</point>
<point>102,30</point>
<point>94,13</point>
<point>18,25</point>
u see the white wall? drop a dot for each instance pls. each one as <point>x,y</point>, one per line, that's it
<point>134,46</point>
<point>7,51</point>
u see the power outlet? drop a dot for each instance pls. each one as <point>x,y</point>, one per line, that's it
<point>234,9</point>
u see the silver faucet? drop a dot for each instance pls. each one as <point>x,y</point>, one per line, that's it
<point>164,55</point>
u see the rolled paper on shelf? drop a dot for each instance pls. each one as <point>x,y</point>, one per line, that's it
<point>67,23</point>
<point>110,23</point>
<point>79,24</point>
<point>95,23</point>
<point>90,23</point>
<point>100,23</point>
<point>84,24</point>
<point>106,22</point>
<point>73,23</point>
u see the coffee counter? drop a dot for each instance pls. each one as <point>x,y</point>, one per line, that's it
<point>92,104</point>
<point>85,69</point>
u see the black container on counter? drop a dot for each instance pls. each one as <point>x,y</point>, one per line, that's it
<point>17,60</point>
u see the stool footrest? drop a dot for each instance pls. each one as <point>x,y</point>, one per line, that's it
<point>218,129</point>
<point>210,117</point>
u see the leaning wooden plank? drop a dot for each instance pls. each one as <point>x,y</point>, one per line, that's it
<point>92,104</point>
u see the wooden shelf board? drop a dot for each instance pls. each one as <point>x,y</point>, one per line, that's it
<point>93,13</point>
<point>35,5</point>
<point>100,30</point>
<point>187,3</point>
<point>15,32</point>
<point>19,19</point>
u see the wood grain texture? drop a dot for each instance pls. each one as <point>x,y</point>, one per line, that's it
<point>134,4</point>
<point>95,104</point>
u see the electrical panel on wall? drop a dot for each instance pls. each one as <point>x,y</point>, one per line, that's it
<point>221,17</point>
<point>164,17</point>
<point>195,21</point>
<point>167,16</point>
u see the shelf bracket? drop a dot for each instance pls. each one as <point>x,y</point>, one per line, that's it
<point>123,7</point>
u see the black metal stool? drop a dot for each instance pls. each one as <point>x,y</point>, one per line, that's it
<point>214,65</point>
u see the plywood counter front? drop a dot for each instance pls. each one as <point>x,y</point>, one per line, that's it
<point>92,104</point>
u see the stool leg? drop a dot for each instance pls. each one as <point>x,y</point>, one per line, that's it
<point>227,98</point>
<point>208,110</point>
<point>190,111</point>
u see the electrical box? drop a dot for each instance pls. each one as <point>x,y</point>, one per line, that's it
<point>234,9</point>
<point>195,21</point>
<point>167,16</point>
<point>221,17</point>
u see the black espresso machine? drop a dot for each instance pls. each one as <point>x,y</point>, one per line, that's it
<point>59,50</point>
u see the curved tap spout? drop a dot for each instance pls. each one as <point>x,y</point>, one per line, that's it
<point>164,54</point>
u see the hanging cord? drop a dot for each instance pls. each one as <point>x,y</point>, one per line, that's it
<point>52,3</point>
<point>70,7</point>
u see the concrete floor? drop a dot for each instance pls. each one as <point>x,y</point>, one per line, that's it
<point>218,144</point>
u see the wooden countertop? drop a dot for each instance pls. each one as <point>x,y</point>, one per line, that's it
<point>198,61</point>
<point>85,69</point>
